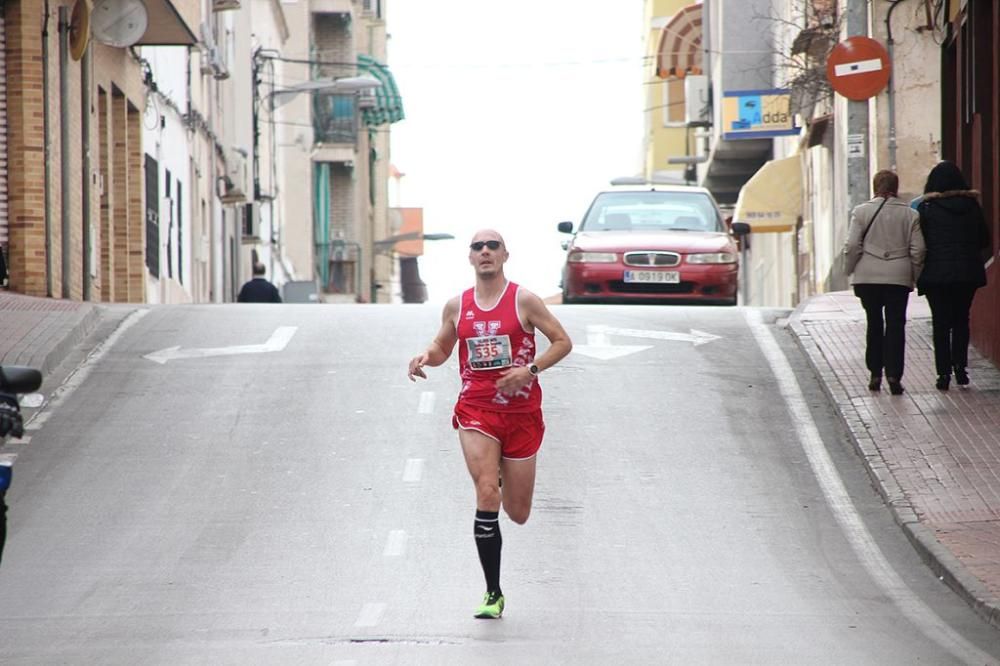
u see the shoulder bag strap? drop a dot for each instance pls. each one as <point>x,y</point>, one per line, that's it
<point>886,199</point>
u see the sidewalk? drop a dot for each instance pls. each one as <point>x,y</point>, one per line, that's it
<point>934,456</point>
<point>40,332</point>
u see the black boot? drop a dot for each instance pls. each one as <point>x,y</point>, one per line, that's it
<point>895,387</point>
<point>961,377</point>
<point>942,382</point>
<point>875,383</point>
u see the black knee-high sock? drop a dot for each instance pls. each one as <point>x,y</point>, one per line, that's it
<point>488,542</point>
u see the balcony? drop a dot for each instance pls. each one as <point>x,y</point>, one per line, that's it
<point>335,118</point>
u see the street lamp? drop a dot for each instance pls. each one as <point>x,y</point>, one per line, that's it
<point>348,84</point>
<point>388,243</point>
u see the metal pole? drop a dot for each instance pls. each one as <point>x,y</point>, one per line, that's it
<point>47,148</point>
<point>857,131</point>
<point>64,144</point>
<point>87,173</point>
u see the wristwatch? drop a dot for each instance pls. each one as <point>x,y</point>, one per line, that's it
<point>533,369</point>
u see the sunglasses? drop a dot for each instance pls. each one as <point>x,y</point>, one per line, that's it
<point>479,245</point>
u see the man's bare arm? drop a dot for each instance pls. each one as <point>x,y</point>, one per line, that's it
<point>442,345</point>
<point>537,315</point>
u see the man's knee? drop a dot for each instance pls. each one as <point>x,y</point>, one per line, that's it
<point>517,512</point>
<point>488,494</point>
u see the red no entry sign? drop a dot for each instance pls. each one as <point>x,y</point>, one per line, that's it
<point>858,68</point>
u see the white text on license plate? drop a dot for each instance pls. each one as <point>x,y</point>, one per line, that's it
<point>663,277</point>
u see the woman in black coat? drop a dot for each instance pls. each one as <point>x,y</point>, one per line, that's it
<point>956,235</point>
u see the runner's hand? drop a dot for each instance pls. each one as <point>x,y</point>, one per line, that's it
<point>417,364</point>
<point>514,379</point>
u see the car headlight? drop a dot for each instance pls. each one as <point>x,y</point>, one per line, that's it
<point>712,258</point>
<point>578,257</point>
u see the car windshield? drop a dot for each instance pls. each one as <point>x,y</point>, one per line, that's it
<point>652,211</point>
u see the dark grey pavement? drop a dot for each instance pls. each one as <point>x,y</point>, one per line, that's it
<point>934,456</point>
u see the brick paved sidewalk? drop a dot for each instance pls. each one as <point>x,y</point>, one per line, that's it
<point>40,332</point>
<point>935,456</point>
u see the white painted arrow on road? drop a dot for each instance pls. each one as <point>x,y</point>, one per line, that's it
<point>599,346</point>
<point>697,338</point>
<point>278,341</point>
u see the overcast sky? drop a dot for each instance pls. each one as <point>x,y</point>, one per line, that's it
<point>516,114</point>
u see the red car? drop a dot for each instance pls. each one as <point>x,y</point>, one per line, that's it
<point>658,243</point>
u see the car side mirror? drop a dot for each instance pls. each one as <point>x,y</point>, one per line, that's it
<point>740,228</point>
<point>565,227</point>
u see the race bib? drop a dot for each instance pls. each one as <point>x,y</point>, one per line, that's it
<point>489,352</point>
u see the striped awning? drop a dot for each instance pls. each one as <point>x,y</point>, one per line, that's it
<point>680,52</point>
<point>388,106</point>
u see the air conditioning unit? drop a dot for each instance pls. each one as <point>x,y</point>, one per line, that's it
<point>235,180</point>
<point>225,5</point>
<point>251,222</point>
<point>697,102</point>
<point>366,99</point>
<point>218,65</point>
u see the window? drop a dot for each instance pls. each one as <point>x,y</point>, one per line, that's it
<point>673,102</point>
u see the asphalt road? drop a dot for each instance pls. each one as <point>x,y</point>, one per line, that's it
<point>273,490</point>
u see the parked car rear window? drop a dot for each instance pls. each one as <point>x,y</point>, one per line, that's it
<point>652,211</point>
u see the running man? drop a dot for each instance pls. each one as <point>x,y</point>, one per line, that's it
<point>499,410</point>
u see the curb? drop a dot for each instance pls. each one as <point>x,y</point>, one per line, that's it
<point>940,560</point>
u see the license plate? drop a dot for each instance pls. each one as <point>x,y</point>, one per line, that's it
<point>662,277</point>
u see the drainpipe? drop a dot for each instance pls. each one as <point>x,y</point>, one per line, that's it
<point>87,175</point>
<point>64,139</point>
<point>47,140</point>
<point>891,90</point>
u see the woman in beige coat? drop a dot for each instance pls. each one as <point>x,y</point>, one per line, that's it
<point>885,252</point>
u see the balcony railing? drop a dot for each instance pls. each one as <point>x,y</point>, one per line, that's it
<point>335,118</point>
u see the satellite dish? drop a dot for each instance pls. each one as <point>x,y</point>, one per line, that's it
<point>79,28</point>
<point>119,23</point>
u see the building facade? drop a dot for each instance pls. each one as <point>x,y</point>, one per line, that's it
<point>161,173</point>
<point>970,102</point>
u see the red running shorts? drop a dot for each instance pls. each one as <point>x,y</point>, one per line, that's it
<point>519,433</point>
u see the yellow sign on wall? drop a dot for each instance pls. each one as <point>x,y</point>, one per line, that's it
<point>757,114</point>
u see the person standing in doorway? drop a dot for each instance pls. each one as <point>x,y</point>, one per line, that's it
<point>258,290</point>
<point>885,253</point>
<point>957,236</point>
<point>498,414</point>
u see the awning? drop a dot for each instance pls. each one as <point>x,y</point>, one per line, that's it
<point>680,52</point>
<point>771,201</point>
<point>388,107</point>
<point>171,22</point>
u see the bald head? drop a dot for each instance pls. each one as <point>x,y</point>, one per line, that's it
<point>488,234</point>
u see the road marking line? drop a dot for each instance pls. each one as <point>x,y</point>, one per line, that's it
<point>414,470</point>
<point>371,615</point>
<point>276,343</point>
<point>395,546</point>
<point>426,402</point>
<point>843,508</point>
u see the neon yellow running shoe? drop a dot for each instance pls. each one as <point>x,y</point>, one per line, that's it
<point>492,607</point>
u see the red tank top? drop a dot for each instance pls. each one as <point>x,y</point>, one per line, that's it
<point>490,341</point>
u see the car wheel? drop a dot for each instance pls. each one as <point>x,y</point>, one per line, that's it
<point>566,298</point>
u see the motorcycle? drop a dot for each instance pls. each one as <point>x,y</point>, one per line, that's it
<point>13,380</point>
